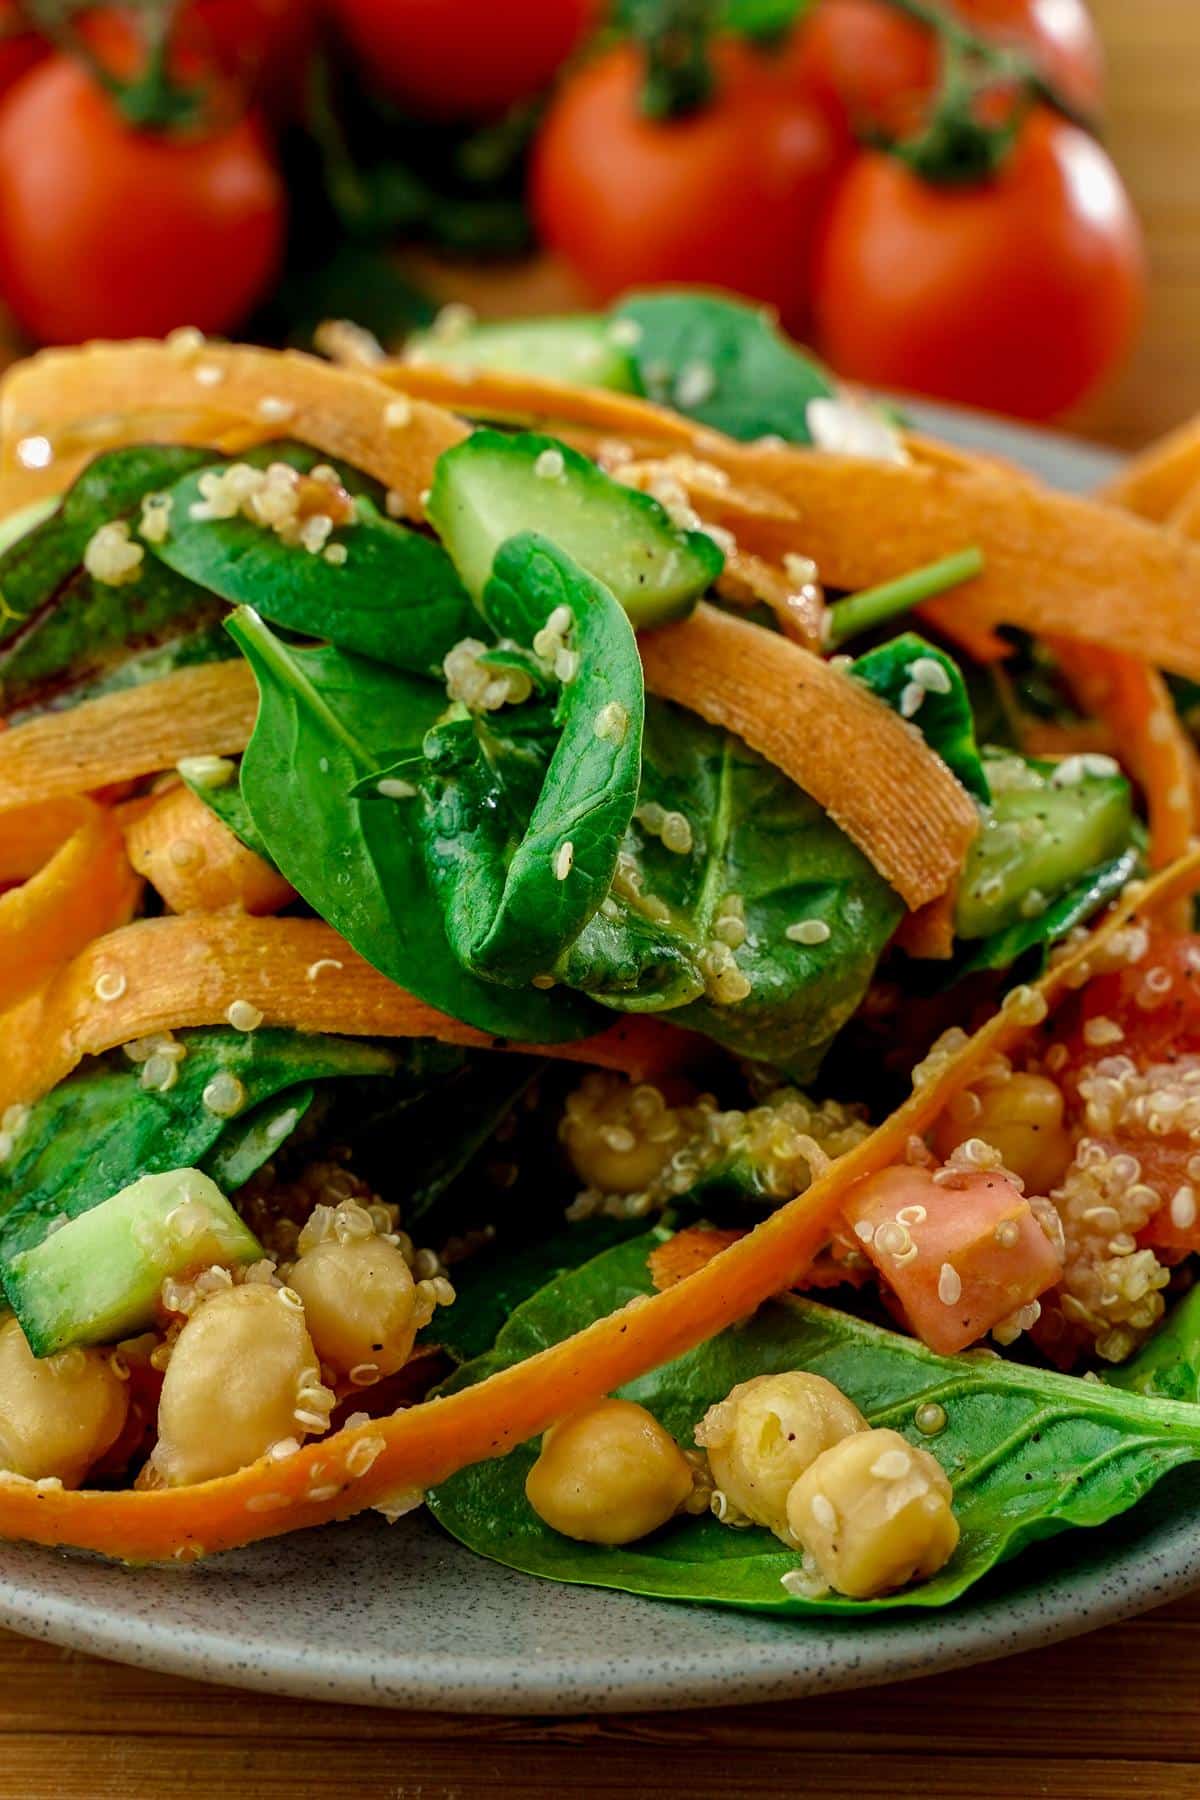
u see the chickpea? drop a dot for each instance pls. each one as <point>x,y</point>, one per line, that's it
<point>242,1369</point>
<point>874,1514</point>
<point>619,1137</point>
<point>1021,1116</point>
<point>608,1474</point>
<point>766,1432</point>
<point>360,1302</point>
<point>58,1414</point>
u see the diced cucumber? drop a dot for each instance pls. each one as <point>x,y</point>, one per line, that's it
<point>492,486</point>
<point>586,350</point>
<point>96,1279</point>
<point>1047,826</point>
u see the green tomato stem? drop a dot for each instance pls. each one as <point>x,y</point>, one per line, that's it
<point>875,606</point>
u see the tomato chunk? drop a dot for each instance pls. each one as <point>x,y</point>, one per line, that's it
<point>961,1254</point>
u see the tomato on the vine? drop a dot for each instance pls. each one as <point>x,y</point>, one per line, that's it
<point>472,59</point>
<point>111,231</point>
<point>879,66</point>
<point>1017,292</point>
<point>263,45</point>
<point>731,194</point>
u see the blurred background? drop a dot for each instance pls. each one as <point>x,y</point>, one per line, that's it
<point>990,201</point>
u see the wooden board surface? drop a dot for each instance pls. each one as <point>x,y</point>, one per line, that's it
<point>1109,1718</point>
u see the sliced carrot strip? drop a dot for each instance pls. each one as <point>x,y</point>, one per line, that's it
<point>174,973</point>
<point>196,863</point>
<point>207,711</point>
<point>73,403</point>
<point>29,835</point>
<point>870,771</point>
<point>1053,563</point>
<point>1135,703</point>
<point>1155,483</point>
<point>86,888</point>
<point>422,1445</point>
<point>517,399</point>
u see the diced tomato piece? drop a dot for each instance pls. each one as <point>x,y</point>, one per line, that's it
<point>960,1255</point>
<point>1153,1002</point>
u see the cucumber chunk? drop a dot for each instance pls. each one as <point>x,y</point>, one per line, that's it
<point>492,487</point>
<point>1047,826</point>
<point>97,1279</point>
<point>586,350</point>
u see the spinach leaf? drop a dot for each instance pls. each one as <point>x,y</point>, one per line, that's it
<point>725,363</point>
<point>100,1129</point>
<point>252,1140</point>
<point>230,807</point>
<point>396,597</point>
<point>758,844</point>
<point>58,624</point>
<point>326,721</point>
<point>525,809</point>
<point>1030,1453</point>
<point>1167,1367</point>
<point>494,1282</point>
<point>944,718</point>
<point>1075,907</point>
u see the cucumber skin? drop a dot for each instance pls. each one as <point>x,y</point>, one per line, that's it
<point>1084,824</point>
<point>579,349</point>
<point>52,1303</point>
<point>487,490</point>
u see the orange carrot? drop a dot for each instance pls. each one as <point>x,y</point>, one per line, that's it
<point>873,774</point>
<point>171,973</point>
<point>1135,703</point>
<point>29,835</point>
<point>196,863</point>
<point>1053,563</point>
<point>86,888</point>
<point>387,1461</point>
<point>1155,483</point>
<point>73,403</point>
<point>206,711</point>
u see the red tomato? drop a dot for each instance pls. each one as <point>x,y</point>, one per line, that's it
<point>1154,1005</point>
<point>731,195</point>
<point>959,1256</point>
<point>20,47</point>
<point>878,67</point>
<point>110,232</point>
<point>264,45</point>
<point>1017,293</point>
<point>452,59</point>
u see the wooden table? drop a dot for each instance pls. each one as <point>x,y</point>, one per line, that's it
<point>1114,1716</point>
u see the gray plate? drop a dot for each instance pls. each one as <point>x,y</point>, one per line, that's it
<point>400,1616</point>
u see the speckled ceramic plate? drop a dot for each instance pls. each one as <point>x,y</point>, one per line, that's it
<point>401,1616</point>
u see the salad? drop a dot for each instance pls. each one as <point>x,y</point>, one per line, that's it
<point>596,935</point>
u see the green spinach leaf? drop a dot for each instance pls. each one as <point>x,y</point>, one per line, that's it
<point>100,1129</point>
<point>1030,1453</point>
<point>58,623</point>
<point>761,852</point>
<point>396,597</point>
<point>230,807</point>
<point>943,712</point>
<point>525,809</point>
<point>326,721</point>
<point>1167,1367</point>
<point>725,363</point>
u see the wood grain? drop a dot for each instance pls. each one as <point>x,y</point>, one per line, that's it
<point>1104,1720</point>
